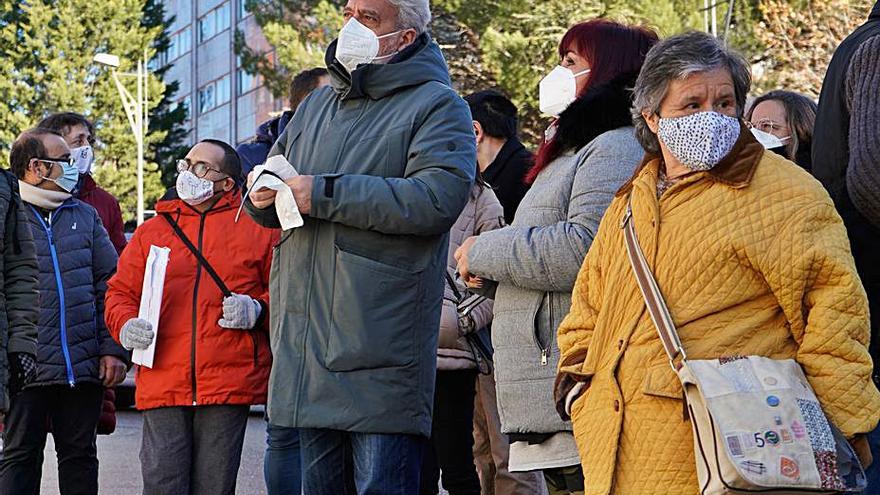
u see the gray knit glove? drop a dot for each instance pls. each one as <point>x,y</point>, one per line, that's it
<point>240,312</point>
<point>136,334</point>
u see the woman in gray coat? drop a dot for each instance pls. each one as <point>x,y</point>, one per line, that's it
<point>589,151</point>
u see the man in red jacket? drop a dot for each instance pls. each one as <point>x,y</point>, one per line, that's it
<point>212,356</point>
<point>79,132</point>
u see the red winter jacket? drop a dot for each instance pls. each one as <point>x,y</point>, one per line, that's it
<point>197,362</point>
<point>108,209</point>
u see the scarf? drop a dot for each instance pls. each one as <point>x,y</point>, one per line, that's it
<point>42,198</point>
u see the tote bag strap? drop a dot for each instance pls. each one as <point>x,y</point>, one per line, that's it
<point>651,292</point>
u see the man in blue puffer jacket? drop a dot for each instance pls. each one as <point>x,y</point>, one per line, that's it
<point>76,356</point>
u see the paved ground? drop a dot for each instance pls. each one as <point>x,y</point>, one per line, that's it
<point>120,468</point>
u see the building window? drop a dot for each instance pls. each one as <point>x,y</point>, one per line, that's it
<point>181,43</point>
<point>246,82</point>
<point>214,22</point>
<point>214,94</point>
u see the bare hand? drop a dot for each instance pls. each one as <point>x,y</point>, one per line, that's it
<point>263,197</point>
<point>301,185</point>
<point>461,259</point>
<point>112,371</point>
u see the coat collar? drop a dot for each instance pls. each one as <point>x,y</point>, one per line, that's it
<point>511,148</point>
<point>735,170</point>
<point>875,12</point>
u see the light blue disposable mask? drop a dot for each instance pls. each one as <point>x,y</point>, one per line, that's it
<point>69,177</point>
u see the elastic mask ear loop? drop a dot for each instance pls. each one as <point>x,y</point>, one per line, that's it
<point>383,57</point>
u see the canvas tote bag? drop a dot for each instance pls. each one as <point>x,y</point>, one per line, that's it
<point>757,424</point>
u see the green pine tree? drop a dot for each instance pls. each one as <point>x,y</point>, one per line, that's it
<point>46,52</point>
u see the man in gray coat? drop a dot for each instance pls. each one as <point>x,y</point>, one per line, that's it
<point>387,154</point>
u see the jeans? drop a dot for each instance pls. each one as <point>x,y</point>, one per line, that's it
<point>192,449</point>
<point>347,463</point>
<point>873,471</point>
<point>73,414</point>
<point>450,450</point>
<point>282,467</point>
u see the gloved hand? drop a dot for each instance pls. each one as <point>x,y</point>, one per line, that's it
<point>137,333</point>
<point>23,371</point>
<point>240,312</point>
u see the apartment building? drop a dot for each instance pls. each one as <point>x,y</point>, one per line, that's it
<point>223,101</point>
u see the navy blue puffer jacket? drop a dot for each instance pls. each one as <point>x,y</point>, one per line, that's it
<point>76,259</point>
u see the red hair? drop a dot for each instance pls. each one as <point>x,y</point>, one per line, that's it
<point>612,50</point>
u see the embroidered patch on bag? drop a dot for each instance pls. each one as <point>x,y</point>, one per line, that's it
<point>739,373</point>
<point>754,467</point>
<point>817,426</point>
<point>789,468</point>
<point>734,444</point>
<point>729,359</point>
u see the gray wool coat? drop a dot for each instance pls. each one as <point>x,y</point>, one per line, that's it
<point>535,261</point>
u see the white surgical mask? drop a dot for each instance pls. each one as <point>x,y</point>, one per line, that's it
<point>357,44</point>
<point>192,189</point>
<point>84,157</point>
<point>769,141</point>
<point>558,89</point>
<point>701,140</point>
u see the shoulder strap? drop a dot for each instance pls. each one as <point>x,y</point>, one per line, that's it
<point>202,261</point>
<point>452,286</point>
<point>651,292</point>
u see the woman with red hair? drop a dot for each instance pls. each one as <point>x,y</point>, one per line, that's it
<point>589,151</point>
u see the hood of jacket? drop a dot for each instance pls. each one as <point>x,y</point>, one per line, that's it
<point>269,130</point>
<point>416,64</point>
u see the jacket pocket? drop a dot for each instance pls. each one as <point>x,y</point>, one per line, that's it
<point>373,315</point>
<point>663,382</point>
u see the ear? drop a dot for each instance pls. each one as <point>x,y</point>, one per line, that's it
<point>408,37</point>
<point>478,131</point>
<point>228,185</point>
<point>653,121</point>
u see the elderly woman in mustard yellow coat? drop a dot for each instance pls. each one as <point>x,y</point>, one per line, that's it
<point>751,257</point>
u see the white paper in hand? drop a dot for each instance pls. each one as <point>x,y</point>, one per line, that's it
<point>151,300</point>
<point>271,175</point>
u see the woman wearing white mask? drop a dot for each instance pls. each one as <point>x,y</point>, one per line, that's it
<point>789,117</point>
<point>751,259</point>
<point>590,149</point>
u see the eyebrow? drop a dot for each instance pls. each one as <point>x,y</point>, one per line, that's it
<point>370,12</point>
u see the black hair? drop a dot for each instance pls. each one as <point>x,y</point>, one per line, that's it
<point>231,164</point>
<point>495,112</point>
<point>27,146</point>
<point>62,122</point>
<point>304,83</point>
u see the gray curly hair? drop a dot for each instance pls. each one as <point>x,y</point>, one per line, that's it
<point>413,14</point>
<point>676,58</point>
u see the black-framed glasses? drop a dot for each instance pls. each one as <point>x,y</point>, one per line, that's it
<point>199,169</point>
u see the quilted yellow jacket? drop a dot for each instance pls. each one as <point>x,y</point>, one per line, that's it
<point>752,259</point>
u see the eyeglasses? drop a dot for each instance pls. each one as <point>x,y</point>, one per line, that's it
<point>57,161</point>
<point>768,126</point>
<point>199,169</point>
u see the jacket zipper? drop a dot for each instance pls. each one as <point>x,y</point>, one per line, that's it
<point>65,350</point>
<point>545,351</point>
<point>195,313</point>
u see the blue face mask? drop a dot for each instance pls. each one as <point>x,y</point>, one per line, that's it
<point>69,176</point>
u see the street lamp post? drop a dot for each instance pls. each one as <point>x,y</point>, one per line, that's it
<point>137,112</point>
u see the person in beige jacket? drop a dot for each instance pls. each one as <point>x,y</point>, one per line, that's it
<point>458,361</point>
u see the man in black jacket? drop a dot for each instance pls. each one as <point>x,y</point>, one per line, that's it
<point>503,160</point>
<point>846,159</point>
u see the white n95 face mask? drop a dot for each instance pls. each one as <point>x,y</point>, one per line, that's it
<point>769,141</point>
<point>357,44</point>
<point>558,89</point>
<point>84,157</point>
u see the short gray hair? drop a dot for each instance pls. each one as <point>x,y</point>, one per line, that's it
<point>676,58</point>
<point>412,14</point>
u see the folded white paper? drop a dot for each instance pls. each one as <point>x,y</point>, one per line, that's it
<point>151,300</point>
<point>271,175</point>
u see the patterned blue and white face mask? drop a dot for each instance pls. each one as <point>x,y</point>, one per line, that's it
<point>701,140</point>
